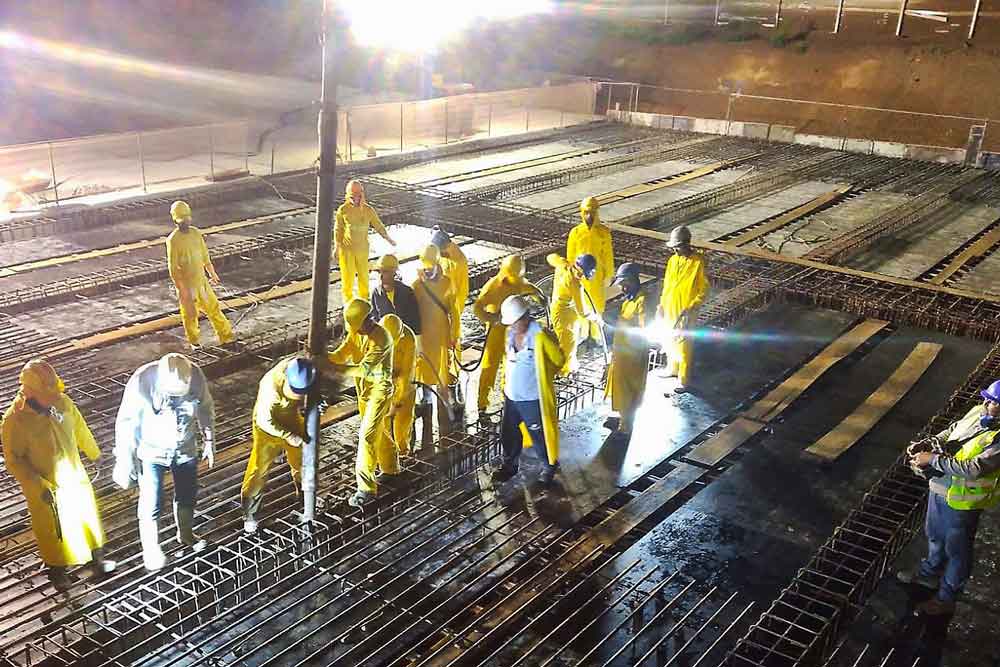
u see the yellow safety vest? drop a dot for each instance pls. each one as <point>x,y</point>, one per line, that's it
<point>979,493</point>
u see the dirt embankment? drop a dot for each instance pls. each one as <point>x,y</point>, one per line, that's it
<point>928,75</point>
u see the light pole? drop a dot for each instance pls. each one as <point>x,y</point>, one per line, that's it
<point>322,247</point>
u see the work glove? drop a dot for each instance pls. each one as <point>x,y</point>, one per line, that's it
<point>209,454</point>
<point>297,441</point>
<point>122,477</point>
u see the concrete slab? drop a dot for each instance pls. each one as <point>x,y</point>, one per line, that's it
<point>983,277</point>
<point>759,209</point>
<point>802,237</point>
<point>916,249</point>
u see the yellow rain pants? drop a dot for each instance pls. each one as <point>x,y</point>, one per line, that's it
<point>685,286</point>
<point>456,268</point>
<point>399,425</point>
<point>43,454</point>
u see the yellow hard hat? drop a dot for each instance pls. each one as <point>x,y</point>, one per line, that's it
<point>589,204</point>
<point>512,267</point>
<point>180,211</point>
<point>387,263</point>
<point>430,256</point>
<point>355,313</point>
<point>40,381</point>
<point>392,325</point>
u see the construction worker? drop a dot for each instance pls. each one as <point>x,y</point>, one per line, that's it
<point>166,403</point>
<point>685,286</point>
<point>365,354</point>
<point>399,424</point>
<point>278,426</point>
<point>533,358</point>
<point>436,302</point>
<point>567,307</point>
<point>590,237</point>
<point>392,295</point>
<point>629,350</point>
<point>456,268</point>
<point>355,218</point>
<point>188,262</point>
<point>962,463</point>
<point>43,434</point>
<point>507,282</point>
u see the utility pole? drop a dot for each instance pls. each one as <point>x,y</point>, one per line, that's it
<point>321,249</point>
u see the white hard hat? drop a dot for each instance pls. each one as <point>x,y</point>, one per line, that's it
<point>173,374</point>
<point>512,309</point>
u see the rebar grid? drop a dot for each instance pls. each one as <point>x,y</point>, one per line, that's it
<point>803,624</point>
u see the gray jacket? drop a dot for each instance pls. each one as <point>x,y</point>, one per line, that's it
<point>952,438</point>
<point>159,429</point>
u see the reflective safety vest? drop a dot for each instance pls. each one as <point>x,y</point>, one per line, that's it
<point>979,493</point>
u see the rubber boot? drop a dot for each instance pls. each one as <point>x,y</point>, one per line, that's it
<point>184,516</point>
<point>153,557</point>
<point>425,412</point>
<point>99,565</point>
<point>60,579</point>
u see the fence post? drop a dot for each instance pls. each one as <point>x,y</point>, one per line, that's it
<point>489,122</point>
<point>246,151</point>
<point>350,139</point>
<point>272,159</point>
<point>52,167</point>
<point>636,109</point>
<point>446,121</point>
<point>527,118</point>
<point>211,152</point>
<point>840,15</point>
<point>666,12</point>
<point>400,127</point>
<point>975,18</point>
<point>562,118</point>
<point>142,161</point>
<point>902,13</point>
<point>729,112</point>
<point>718,8</point>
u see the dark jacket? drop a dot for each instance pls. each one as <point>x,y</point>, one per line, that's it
<point>405,307</point>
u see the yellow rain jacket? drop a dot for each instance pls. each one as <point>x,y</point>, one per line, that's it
<point>276,420</point>
<point>368,359</point>
<point>187,259</point>
<point>399,426</point>
<point>685,286</point>
<point>350,236</point>
<point>456,267</point>
<point>436,302</point>
<point>629,361</point>
<point>549,358</point>
<point>43,454</point>
<point>487,309</point>
<point>566,308</point>
<point>596,241</point>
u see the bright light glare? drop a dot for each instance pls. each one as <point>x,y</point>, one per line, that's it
<point>417,27</point>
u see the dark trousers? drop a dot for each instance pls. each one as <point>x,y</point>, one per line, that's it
<point>950,536</point>
<point>529,412</point>
<point>151,486</point>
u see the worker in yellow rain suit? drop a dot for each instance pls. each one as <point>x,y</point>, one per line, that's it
<point>590,237</point>
<point>456,268</point>
<point>43,434</point>
<point>366,355</point>
<point>278,426</point>
<point>187,262</point>
<point>567,307</point>
<point>685,286</point>
<point>532,360</point>
<point>629,350</point>
<point>436,303</point>
<point>508,282</point>
<point>354,219</point>
<point>399,424</point>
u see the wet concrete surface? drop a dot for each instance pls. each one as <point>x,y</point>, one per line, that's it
<point>762,519</point>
